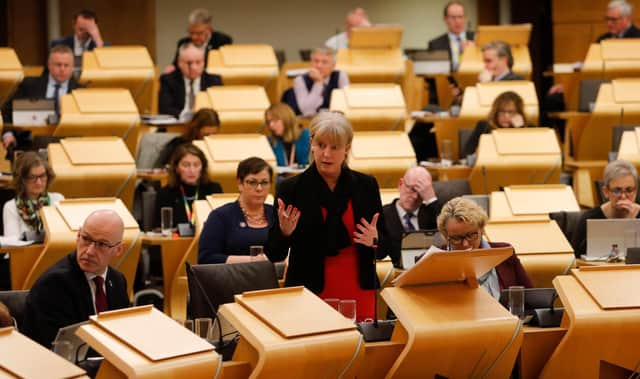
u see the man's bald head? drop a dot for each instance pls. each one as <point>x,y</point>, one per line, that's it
<point>415,187</point>
<point>99,241</point>
<point>191,61</point>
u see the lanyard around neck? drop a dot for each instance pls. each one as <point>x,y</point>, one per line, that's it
<point>187,207</point>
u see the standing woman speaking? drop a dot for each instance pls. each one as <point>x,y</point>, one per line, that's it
<point>330,217</point>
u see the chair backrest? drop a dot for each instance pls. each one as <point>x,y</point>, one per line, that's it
<point>567,221</point>
<point>218,283</point>
<point>616,135</point>
<point>447,190</point>
<point>588,92</point>
<point>463,136</point>
<point>15,301</point>
<point>151,145</point>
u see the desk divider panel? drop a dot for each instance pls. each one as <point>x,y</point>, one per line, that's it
<point>376,36</point>
<point>96,151</point>
<point>541,199</point>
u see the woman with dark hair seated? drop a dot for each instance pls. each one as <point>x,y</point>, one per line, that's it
<point>231,229</point>
<point>188,181</point>
<point>205,122</point>
<point>461,223</point>
<point>507,111</point>
<point>32,177</point>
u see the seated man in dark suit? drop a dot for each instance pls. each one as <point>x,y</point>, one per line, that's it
<point>457,38</point>
<point>202,35</point>
<point>82,283</point>
<point>56,82</point>
<point>312,91</point>
<point>619,23</point>
<point>86,33</point>
<point>416,209</point>
<point>178,89</point>
<point>498,62</point>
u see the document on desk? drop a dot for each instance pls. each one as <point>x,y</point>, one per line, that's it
<point>13,241</point>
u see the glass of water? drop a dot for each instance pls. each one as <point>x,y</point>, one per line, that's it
<point>348,309</point>
<point>166,221</point>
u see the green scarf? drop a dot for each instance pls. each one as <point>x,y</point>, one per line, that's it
<point>28,210</point>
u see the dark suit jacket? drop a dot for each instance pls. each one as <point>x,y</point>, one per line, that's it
<point>172,91</point>
<point>442,42</point>
<point>172,197</point>
<point>632,32</point>
<point>306,259</point>
<point>32,88</point>
<point>427,215</point>
<point>62,296</point>
<point>511,76</point>
<point>217,39</point>
<point>70,41</point>
<point>482,127</point>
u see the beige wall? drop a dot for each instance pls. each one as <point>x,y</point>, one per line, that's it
<point>298,25</point>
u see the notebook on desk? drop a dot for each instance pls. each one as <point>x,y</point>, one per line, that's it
<point>602,234</point>
<point>415,243</point>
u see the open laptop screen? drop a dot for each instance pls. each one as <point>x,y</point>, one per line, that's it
<point>602,234</point>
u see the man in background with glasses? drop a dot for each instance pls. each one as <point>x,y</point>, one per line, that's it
<point>619,23</point>
<point>82,283</point>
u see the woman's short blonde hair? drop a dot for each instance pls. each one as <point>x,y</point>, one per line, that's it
<point>463,210</point>
<point>284,113</point>
<point>331,125</point>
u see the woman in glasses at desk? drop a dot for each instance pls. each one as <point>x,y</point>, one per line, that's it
<point>232,229</point>
<point>620,188</point>
<point>32,177</point>
<point>507,111</point>
<point>461,223</point>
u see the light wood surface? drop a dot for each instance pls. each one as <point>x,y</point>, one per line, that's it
<point>128,67</point>
<point>597,282</point>
<point>240,107</point>
<point>61,224</point>
<point>241,64</point>
<point>225,151</point>
<point>270,354</point>
<point>371,65</point>
<point>93,167</point>
<point>371,107</point>
<point>595,336</point>
<point>384,155</point>
<point>99,112</point>
<point>537,346</point>
<point>529,165</point>
<point>141,342</point>
<point>537,199</point>
<point>20,357</point>
<point>11,73</point>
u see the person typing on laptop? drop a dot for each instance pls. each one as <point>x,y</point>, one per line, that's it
<point>81,284</point>
<point>415,209</point>
<point>620,188</point>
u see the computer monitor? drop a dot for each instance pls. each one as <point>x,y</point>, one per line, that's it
<point>416,243</point>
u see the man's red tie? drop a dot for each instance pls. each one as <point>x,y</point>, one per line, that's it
<point>101,297</point>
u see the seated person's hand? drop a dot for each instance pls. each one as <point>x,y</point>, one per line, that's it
<point>517,121</point>
<point>484,76</point>
<point>8,139</point>
<point>455,91</point>
<point>169,69</point>
<point>94,32</point>
<point>557,88</point>
<point>628,207</point>
<point>315,75</point>
<point>423,188</point>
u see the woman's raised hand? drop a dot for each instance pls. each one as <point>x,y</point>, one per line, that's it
<point>288,217</point>
<point>367,232</point>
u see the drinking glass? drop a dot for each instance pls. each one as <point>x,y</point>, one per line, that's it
<point>202,327</point>
<point>516,301</point>
<point>446,155</point>
<point>189,325</point>
<point>166,220</point>
<point>348,309</point>
<point>334,303</point>
<point>255,251</point>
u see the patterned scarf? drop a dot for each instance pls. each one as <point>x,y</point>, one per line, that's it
<point>28,210</point>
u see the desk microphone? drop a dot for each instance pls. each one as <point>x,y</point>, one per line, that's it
<point>376,330</point>
<point>224,349</point>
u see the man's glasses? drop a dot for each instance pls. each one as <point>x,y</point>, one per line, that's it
<point>469,237</point>
<point>254,183</point>
<point>619,191</point>
<point>99,245</point>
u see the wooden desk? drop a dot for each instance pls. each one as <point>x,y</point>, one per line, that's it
<point>172,251</point>
<point>11,73</point>
<point>20,357</point>
<point>537,346</point>
<point>602,317</point>
<point>22,259</point>
<point>445,173</point>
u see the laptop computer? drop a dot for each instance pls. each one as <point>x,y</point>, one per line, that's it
<point>415,243</point>
<point>28,112</point>
<point>77,345</point>
<point>602,234</point>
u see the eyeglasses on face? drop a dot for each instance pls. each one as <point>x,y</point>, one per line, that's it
<point>33,178</point>
<point>99,245</point>
<point>619,191</point>
<point>469,237</point>
<point>255,183</point>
